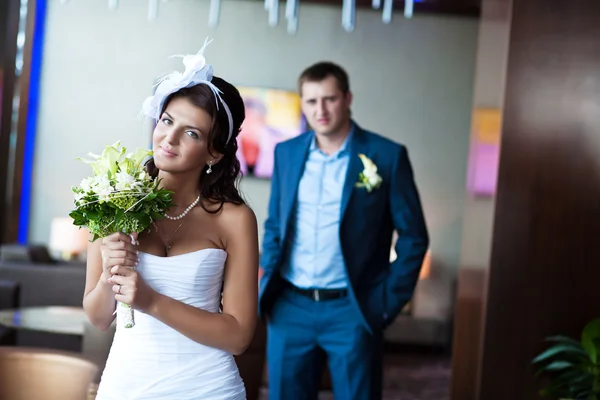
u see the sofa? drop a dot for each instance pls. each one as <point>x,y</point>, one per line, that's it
<point>46,284</point>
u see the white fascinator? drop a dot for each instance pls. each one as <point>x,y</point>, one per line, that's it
<point>197,72</point>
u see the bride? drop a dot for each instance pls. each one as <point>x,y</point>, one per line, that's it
<point>191,278</point>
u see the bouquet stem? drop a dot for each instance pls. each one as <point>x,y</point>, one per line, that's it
<point>126,311</point>
<point>125,315</point>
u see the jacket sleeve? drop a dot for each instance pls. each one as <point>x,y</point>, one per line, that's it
<point>413,239</point>
<point>271,251</point>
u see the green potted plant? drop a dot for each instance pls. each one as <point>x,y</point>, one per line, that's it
<point>572,366</point>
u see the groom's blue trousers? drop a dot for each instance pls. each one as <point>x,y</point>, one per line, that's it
<point>303,333</point>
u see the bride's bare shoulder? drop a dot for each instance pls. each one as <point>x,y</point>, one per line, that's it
<point>238,224</point>
<point>237,214</point>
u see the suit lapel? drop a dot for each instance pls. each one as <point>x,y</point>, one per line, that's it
<point>297,159</point>
<point>357,146</point>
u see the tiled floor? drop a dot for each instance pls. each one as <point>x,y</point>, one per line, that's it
<point>415,376</point>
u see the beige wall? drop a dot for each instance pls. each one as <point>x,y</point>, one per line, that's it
<point>490,79</point>
<point>412,82</point>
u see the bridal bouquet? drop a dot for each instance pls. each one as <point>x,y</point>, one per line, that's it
<point>119,197</point>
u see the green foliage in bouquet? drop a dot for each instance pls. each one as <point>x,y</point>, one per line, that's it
<point>120,196</point>
<point>573,366</point>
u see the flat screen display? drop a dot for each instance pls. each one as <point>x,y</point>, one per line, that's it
<point>272,116</point>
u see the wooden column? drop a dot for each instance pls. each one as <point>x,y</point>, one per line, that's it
<point>544,274</point>
<point>468,322</point>
<point>9,25</point>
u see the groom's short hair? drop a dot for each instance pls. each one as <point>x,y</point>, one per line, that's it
<point>322,70</point>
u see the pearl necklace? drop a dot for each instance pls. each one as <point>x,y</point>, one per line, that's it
<point>184,213</point>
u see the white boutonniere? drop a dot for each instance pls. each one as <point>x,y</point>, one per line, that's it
<point>368,178</point>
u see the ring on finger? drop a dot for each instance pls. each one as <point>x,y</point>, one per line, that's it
<point>119,290</point>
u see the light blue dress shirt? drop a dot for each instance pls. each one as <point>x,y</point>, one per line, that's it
<point>315,258</point>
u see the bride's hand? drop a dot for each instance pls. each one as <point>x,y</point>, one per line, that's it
<point>118,249</point>
<point>130,288</point>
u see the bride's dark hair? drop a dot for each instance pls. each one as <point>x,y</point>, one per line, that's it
<point>220,186</point>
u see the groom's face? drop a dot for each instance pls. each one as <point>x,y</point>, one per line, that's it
<point>326,107</point>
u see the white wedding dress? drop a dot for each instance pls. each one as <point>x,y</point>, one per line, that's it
<point>152,361</point>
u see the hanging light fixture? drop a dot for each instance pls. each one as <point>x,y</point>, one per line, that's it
<point>152,10</point>
<point>348,14</point>
<point>408,8</point>
<point>291,14</point>
<point>272,6</point>
<point>388,8</point>
<point>214,12</point>
<point>292,8</point>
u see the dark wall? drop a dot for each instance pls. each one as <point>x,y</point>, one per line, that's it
<point>544,276</point>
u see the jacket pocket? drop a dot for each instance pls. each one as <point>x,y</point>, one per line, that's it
<point>377,305</point>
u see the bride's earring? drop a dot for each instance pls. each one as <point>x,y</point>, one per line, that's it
<point>209,170</point>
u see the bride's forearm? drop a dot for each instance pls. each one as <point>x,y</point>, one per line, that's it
<point>217,330</point>
<point>99,304</point>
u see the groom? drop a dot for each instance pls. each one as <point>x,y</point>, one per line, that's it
<point>328,288</point>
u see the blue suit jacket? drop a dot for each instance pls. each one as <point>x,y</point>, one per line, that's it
<point>378,288</point>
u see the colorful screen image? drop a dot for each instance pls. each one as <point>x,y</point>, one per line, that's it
<point>484,152</point>
<point>272,116</point>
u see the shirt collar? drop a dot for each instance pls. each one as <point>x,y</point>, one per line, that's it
<point>343,148</point>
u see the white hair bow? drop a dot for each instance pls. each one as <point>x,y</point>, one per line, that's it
<point>197,71</point>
